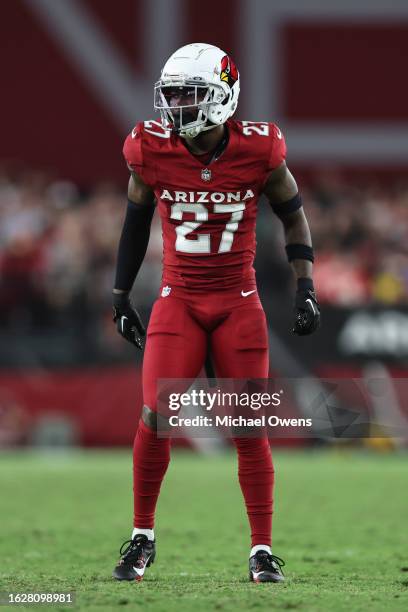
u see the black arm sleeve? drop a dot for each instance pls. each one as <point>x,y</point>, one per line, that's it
<point>286,208</point>
<point>133,244</point>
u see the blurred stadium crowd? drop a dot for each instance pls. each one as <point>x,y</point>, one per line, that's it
<point>58,248</point>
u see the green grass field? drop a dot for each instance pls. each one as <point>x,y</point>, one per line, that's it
<point>341,524</point>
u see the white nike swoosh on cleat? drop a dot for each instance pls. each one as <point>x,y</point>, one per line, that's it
<point>141,570</point>
<point>246,293</point>
<point>255,575</point>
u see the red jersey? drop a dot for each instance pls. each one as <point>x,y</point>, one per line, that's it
<point>208,211</point>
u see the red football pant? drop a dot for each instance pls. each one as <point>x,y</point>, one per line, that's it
<point>182,326</point>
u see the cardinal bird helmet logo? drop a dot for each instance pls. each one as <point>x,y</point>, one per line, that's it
<point>229,72</point>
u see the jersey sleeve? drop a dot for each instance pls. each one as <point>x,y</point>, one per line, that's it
<point>278,147</point>
<point>132,150</point>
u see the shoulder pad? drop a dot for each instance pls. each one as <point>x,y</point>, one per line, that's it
<point>268,140</point>
<point>132,148</point>
<point>155,128</point>
<point>278,146</point>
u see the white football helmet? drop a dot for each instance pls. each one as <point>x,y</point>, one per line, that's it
<point>198,89</point>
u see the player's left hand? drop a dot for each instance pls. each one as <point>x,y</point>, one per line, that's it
<point>307,312</point>
<point>127,319</point>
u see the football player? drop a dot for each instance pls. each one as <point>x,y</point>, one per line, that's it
<point>205,173</point>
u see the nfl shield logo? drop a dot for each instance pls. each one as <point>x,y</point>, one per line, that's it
<point>206,175</point>
<point>166,291</point>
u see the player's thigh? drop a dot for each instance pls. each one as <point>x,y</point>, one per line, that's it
<point>239,346</point>
<point>175,346</point>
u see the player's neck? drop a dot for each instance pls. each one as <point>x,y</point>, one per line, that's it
<point>206,141</point>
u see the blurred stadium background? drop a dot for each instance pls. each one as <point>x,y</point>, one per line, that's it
<point>78,75</point>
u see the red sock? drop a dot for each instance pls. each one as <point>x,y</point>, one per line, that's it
<point>256,477</point>
<point>151,456</point>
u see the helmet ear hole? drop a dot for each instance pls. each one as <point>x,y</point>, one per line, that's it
<point>226,100</point>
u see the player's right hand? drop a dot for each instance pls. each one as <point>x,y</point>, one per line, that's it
<point>127,319</point>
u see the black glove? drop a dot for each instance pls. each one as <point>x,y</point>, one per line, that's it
<point>307,312</point>
<point>128,322</point>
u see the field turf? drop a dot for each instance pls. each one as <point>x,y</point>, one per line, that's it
<point>341,524</point>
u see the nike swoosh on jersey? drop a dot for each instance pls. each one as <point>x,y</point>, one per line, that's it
<point>246,293</point>
<point>134,133</point>
<point>279,133</point>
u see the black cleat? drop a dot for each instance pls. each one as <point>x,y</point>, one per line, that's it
<point>264,567</point>
<point>138,555</point>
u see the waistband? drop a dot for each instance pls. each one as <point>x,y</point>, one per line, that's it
<point>197,283</point>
